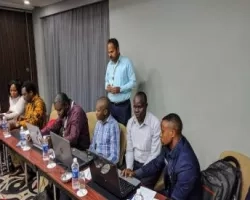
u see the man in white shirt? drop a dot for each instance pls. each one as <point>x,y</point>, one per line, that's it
<point>143,139</point>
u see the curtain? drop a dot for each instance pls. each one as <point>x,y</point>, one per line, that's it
<point>75,53</point>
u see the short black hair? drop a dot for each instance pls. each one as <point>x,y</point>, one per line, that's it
<point>30,86</point>
<point>143,96</point>
<point>114,42</point>
<point>176,120</point>
<point>18,85</point>
<point>62,98</point>
<point>107,102</point>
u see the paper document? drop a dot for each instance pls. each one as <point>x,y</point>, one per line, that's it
<point>147,193</point>
<point>87,174</point>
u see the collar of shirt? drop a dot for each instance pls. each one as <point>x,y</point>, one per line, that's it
<point>117,62</point>
<point>172,154</point>
<point>106,121</point>
<point>34,98</point>
<point>145,122</point>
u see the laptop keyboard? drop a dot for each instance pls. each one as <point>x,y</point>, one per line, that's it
<point>125,187</point>
<point>79,154</point>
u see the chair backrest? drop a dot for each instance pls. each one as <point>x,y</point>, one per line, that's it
<point>244,162</point>
<point>91,122</point>
<point>53,113</point>
<point>123,137</point>
<point>123,143</point>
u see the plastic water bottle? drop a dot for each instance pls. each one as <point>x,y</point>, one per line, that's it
<point>75,174</point>
<point>45,148</point>
<point>138,195</point>
<point>5,126</point>
<point>22,137</point>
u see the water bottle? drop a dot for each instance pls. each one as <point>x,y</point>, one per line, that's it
<point>138,195</point>
<point>45,148</point>
<point>75,174</point>
<point>5,126</point>
<point>22,137</point>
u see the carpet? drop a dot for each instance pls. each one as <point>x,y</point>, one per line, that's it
<point>13,188</point>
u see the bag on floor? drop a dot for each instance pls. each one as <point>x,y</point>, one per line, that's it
<point>248,195</point>
<point>222,180</point>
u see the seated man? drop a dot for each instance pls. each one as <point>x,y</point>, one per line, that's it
<point>106,138</point>
<point>35,113</point>
<point>143,138</point>
<point>178,160</point>
<point>35,109</point>
<point>72,123</point>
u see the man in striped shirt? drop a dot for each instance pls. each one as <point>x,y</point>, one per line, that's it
<point>106,138</point>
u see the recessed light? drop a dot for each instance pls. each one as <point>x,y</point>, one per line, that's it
<point>27,2</point>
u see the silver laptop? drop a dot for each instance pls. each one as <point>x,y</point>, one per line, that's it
<point>35,135</point>
<point>64,153</point>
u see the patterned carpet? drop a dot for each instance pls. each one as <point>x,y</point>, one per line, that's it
<point>13,188</point>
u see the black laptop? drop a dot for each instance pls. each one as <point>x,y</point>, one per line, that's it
<point>64,153</point>
<point>106,175</point>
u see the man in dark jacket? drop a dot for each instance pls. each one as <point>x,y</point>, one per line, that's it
<point>178,160</point>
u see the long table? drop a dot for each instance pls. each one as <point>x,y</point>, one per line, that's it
<point>34,158</point>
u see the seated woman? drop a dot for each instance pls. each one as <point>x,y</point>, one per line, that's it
<point>16,100</point>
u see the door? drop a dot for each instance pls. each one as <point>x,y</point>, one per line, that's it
<point>17,52</point>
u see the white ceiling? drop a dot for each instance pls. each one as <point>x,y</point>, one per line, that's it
<point>21,5</point>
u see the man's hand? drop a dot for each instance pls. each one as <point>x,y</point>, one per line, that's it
<point>127,173</point>
<point>20,118</point>
<point>115,90</point>
<point>12,125</point>
<point>109,88</point>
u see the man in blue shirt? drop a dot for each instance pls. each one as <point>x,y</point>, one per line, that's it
<point>178,160</point>
<point>106,138</point>
<point>119,82</point>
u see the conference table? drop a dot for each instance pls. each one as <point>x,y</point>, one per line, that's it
<point>34,157</point>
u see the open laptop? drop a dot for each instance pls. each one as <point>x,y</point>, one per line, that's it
<point>35,135</point>
<point>64,153</point>
<point>105,174</point>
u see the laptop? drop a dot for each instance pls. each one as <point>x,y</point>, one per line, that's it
<point>35,135</point>
<point>64,153</point>
<point>105,174</point>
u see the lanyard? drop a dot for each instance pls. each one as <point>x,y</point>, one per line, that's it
<point>115,67</point>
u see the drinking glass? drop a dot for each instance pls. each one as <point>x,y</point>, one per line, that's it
<point>82,191</point>
<point>51,162</point>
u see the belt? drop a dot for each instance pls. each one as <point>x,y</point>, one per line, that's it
<point>120,103</point>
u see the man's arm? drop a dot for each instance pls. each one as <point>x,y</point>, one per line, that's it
<point>75,127</point>
<point>107,79</point>
<point>54,128</point>
<point>132,79</point>
<point>152,167</point>
<point>129,150</point>
<point>186,180</point>
<point>156,143</point>
<point>37,115</point>
<point>114,143</point>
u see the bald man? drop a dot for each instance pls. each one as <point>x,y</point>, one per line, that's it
<point>106,138</point>
<point>72,122</point>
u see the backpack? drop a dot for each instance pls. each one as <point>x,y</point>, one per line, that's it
<point>248,195</point>
<point>222,180</point>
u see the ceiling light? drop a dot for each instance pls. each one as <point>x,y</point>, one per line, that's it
<point>27,2</point>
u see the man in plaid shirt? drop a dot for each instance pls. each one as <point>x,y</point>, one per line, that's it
<point>106,138</point>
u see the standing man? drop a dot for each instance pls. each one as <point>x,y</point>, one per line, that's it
<point>119,81</point>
